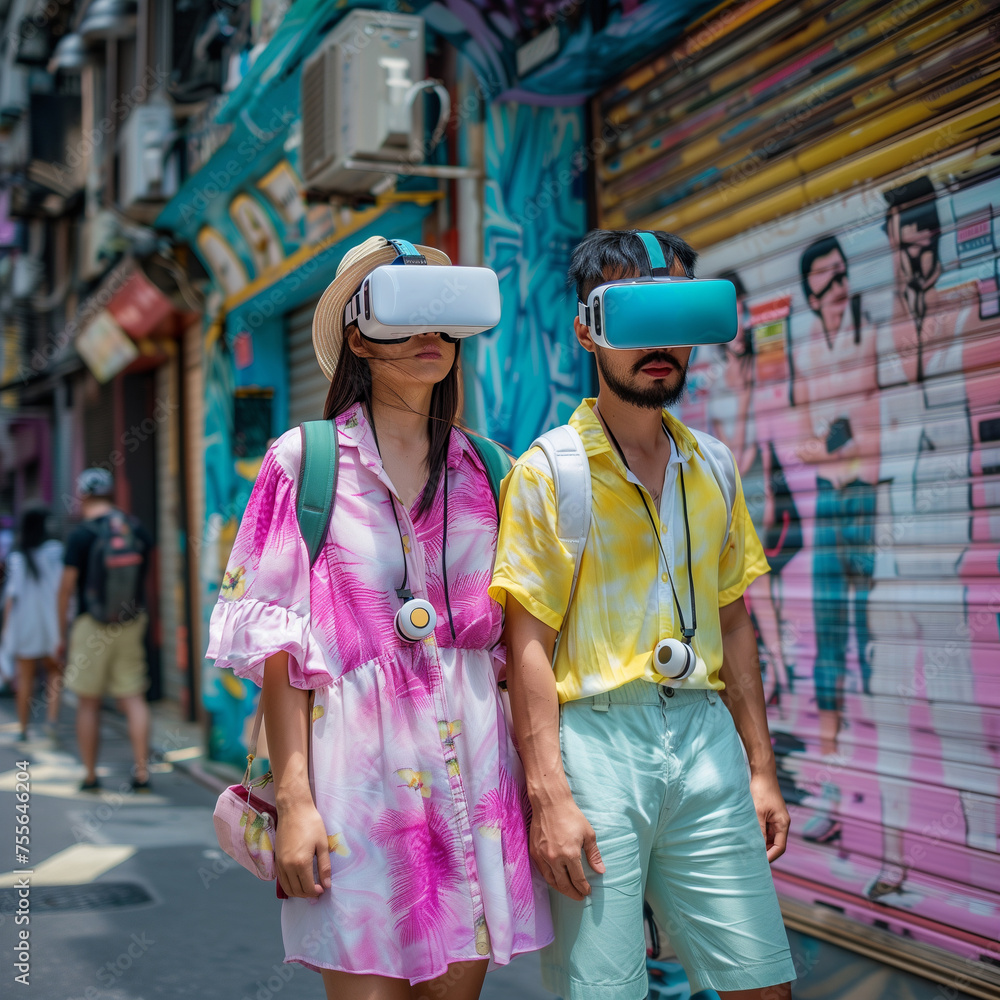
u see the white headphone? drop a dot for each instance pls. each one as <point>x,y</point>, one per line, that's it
<point>415,620</point>
<point>674,659</point>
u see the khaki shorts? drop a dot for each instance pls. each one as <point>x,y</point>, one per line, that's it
<point>107,659</point>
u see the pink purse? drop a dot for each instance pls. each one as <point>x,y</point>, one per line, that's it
<point>245,822</point>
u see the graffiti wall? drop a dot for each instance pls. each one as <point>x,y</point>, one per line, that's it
<point>862,400</point>
<point>529,372</point>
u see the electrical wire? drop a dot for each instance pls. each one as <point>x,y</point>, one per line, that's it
<point>402,591</point>
<point>444,543</point>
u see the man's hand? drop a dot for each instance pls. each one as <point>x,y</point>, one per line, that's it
<point>772,814</point>
<point>559,834</point>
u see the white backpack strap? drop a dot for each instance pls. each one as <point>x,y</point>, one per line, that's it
<point>723,465</point>
<point>570,467</point>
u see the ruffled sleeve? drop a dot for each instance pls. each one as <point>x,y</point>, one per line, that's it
<point>264,600</point>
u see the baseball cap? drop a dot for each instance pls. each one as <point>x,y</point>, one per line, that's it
<point>95,482</point>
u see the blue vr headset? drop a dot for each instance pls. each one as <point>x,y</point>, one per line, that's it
<point>660,310</point>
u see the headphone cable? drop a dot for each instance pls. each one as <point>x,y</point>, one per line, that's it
<point>685,631</point>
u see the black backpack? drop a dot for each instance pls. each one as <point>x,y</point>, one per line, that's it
<point>114,569</point>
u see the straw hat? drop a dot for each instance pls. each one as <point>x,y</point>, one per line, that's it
<point>328,320</point>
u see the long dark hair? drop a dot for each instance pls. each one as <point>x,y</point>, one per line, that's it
<point>352,383</point>
<point>33,534</point>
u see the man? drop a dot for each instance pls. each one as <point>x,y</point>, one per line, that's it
<point>836,381</point>
<point>106,559</point>
<point>648,782</point>
<point>926,445</point>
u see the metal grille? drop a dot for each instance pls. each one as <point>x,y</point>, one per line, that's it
<point>314,152</point>
<point>61,898</point>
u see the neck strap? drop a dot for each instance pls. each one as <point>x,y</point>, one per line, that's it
<point>687,633</point>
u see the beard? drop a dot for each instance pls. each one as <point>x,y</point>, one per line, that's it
<point>656,397</point>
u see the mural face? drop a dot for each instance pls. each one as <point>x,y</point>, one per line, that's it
<point>862,401</point>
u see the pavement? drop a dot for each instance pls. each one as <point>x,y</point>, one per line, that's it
<point>130,897</point>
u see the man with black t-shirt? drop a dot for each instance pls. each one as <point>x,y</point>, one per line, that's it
<point>106,559</point>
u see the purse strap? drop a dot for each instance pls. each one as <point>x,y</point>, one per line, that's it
<point>252,745</point>
<point>255,734</point>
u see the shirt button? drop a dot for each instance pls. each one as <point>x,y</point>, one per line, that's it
<point>664,578</point>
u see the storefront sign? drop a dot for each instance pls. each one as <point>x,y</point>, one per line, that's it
<point>227,269</point>
<point>284,191</point>
<point>769,326</point>
<point>139,306</point>
<point>105,347</point>
<point>243,349</point>
<point>258,232</point>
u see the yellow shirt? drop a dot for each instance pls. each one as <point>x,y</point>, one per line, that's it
<point>624,604</point>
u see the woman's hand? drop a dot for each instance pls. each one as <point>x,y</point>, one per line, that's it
<point>300,837</point>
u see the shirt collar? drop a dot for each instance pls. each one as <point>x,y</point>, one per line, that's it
<point>595,441</point>
<point>355,431</point>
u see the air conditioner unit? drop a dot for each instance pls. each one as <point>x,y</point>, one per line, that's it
<point>361,102</point>
<point>146,173</point>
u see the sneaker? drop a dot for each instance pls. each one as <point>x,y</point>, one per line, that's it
<point>141,787</point>
<point>90,786</point>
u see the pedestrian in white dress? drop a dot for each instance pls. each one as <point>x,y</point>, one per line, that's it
<point>31,621</point>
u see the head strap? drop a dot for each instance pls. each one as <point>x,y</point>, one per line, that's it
<point>406,253</point>
<point>654,254</point>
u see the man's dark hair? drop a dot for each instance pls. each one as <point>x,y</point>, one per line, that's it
<point>818,249</point>
<point>605,254</point>
<point>917,206</point>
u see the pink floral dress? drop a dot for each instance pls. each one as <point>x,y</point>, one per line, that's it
<point>414,773</point>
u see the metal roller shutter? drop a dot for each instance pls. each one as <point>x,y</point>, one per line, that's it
<point>838,162</point>
<point>306,382</point>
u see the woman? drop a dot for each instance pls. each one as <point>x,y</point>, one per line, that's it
<point>31,624</point>
<point>393,769</point>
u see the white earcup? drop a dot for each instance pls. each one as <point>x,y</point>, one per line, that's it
<point>674,659</point>
<point>415,620</point>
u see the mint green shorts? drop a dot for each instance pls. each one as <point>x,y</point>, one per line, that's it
<point>663,780</point>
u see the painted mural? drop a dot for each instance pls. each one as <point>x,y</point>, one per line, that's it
<point>529,374</point>
<point>589,43</point>
<point>862,400</point>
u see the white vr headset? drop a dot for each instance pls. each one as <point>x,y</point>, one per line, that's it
<point>395,303</point>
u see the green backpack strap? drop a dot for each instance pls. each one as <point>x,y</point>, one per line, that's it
<point>317,486</point>
<point>496,460</point>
